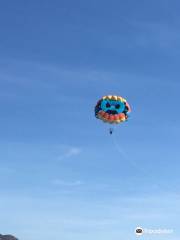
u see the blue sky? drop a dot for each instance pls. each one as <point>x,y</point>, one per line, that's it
<point>61,175</point>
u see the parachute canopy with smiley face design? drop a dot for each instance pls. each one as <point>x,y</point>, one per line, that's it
<point>112,109</point>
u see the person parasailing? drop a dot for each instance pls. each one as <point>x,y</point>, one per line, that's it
<point>112,109</point>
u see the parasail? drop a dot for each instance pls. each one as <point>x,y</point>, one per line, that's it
<point>112,109</point>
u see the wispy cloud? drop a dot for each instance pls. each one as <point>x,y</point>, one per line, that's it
<point>48,78</point>
<point>70,152</point>
<point>163,35</point>
<point>60,182</point>
<point>62,215</point>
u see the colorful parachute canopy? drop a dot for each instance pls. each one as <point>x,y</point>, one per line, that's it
<point>112,109</point>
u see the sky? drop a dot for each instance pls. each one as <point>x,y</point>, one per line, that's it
<point>62,176</point>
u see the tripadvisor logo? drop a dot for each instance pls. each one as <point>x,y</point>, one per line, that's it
<point>139,231</point>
